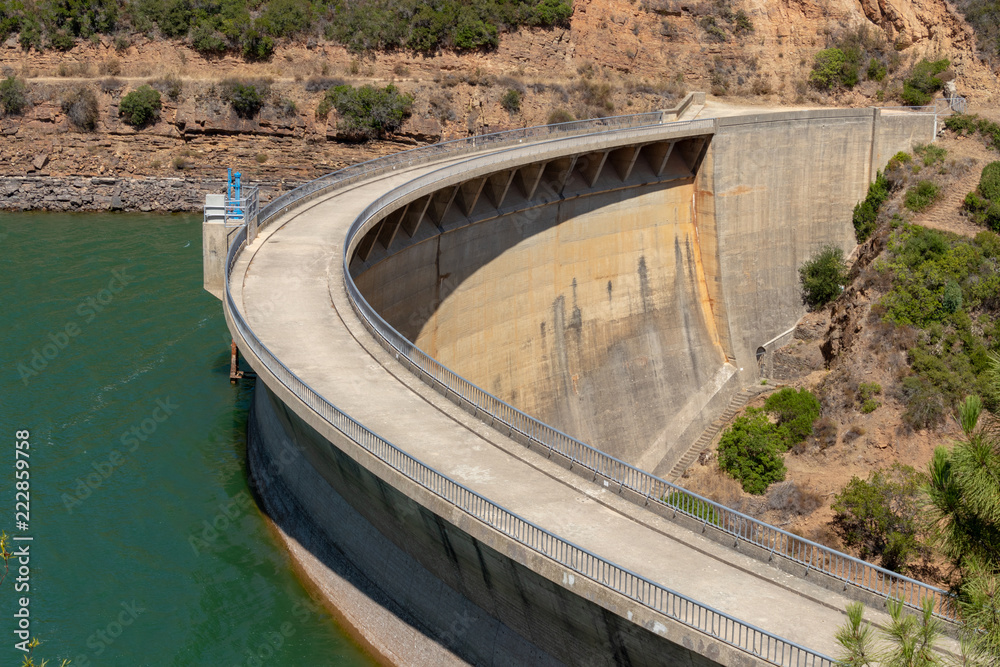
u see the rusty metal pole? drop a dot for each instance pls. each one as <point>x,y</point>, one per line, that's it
<point>235,374</point>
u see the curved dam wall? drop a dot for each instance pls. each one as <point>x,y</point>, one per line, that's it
<point>628,309</point>
<point>476,596</point>
<point>778,187</point>
<point>590,313</point>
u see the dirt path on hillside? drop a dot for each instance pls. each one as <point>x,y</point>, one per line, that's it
<point>971,155</point>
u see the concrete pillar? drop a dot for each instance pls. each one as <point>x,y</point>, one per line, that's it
<point>214,244</point>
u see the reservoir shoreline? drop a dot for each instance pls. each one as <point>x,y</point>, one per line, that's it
<point>135,194</point>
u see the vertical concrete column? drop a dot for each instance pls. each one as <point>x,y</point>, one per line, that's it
<point>214,244</point>
<point>873,154</point>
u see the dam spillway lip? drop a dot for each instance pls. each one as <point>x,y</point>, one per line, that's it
<point>372,442</point>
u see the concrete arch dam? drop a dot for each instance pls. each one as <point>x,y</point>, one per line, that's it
<point>616,294</point>
<point>613,278</point>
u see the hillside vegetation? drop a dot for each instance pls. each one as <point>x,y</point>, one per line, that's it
<point>901,463</point>
<point>215,27</point>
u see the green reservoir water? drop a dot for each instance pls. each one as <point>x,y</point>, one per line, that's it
<point>146,549</point>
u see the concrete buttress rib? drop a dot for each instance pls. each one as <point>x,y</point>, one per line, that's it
<point>289,286</point>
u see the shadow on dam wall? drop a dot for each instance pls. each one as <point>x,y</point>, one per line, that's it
<point>591,314</point>
<point>627,311</point>
<point>450,590</point>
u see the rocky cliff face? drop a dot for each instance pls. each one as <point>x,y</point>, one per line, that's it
<point>617,57</point>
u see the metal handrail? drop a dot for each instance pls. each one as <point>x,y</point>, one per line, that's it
<point>425,154</point>
<point>703,618</point>
<point>775,541</point>
<point>938,105</point>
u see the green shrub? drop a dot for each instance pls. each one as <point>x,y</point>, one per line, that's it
<point>560,116</point>
<point>989,243</point>
<point>713,30</point>
<point>368,112</point>
<point>974,203</point>
<point>207,41</point>
<point>749,451</point>
<point>930,153</point>
<point>796,411</point>
<point>80,106</point>
<point>876,70</point>
<point>13,96</point>
<point>867,391</point>
<point>989,181</point>
<point>551,12</point>
<point>472,34</point>
<point>31,34</point>
<point>971,124</point>
<point>742,24</point>
<point>947,365</point>
<point>425,27</point>
<point>10,19</point>
<point>141,106</point>
<point>61,41</point>
<point>511,101</point>
<point>951,299</point>
<point>70,19</point>
<point>984,204</point>
<point>962,123</point>
<point>879,516</point>
<point>835,67</point>
<point>175,19</point>
<point>256,46</point>
<point>920,86</point>
<point>937,280</point>
<point>991,216</point>
<point>920,263</point>
<point>919,197</point>
<point>823,276</point>
<point>865,217</point>
<point>895,162</point>
<point>245,98</point>
<point>284,18</point>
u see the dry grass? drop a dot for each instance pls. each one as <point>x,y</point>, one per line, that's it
<point>792,498</point>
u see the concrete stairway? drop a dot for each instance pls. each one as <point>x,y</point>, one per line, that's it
<point>702,443</point>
